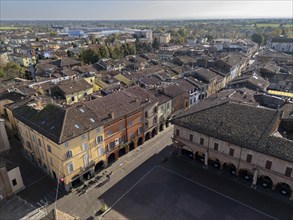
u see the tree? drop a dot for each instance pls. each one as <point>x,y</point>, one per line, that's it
<point>90,56</point>
<point>258,38</point>
<point>11,70</point>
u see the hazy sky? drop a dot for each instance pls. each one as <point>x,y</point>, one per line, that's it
<point>143,9</point>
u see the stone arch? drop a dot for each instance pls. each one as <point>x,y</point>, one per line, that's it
<point>147,136</point>
<point>111,158</point>
<point>283,188</point>
<point>246,174</point>
<point>99,166</point>
<point>131,146</point>
<point>140,141</point>
<point>187,152</point>
<point>265,182</point>
<point>200,156</point>
<point>154,132</point>
<point>230,168</point>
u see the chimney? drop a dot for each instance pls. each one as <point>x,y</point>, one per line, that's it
<point>111,114</point>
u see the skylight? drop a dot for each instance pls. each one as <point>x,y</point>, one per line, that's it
<point>77,126</point>
<point>81,110</point>
<point>92,120</point>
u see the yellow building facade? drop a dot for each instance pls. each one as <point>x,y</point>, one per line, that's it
<point>81,156</point>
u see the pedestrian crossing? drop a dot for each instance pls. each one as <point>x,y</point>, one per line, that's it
<point>50,197</point>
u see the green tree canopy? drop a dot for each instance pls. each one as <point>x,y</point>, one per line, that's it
<point>258,38</point>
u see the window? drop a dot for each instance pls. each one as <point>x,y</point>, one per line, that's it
<point>288,171</point>
<point>216,146</point>
<point>121,126</point>
<point>201,141</point>
<point>146,125</point>
<point>111,145</point>
<point>33,137</point>
<point>97,130</point>
<point>146,114</point>
<point>117,141</point>
<point>139,119</point>
<point>248,158</point>
<point>70,167</point>
<point>131,135</point>
<point>72,98</point>
<point>139,130</point>
<point>14,183</point>
<point>84,146</point>
<point>231,152</point>
<point>130,123</point>
<point>191,137</point>
<point>51,161</point>
<point>177,132</point>
<point>268,164</point>
<point>66,144</point>
<point>109,133</point>
<point>100,151</point>
<point>82,137</point>
<point>86,160</point>
<point>49,148</point>
<point>39,141</point>
<point>121,140</point>
<point>99,139</point>
<point>68,154</point>
<point>168,105</point>
<point>155,120</point>
<point>155,110</point>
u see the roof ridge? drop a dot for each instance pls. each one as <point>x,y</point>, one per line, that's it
<point>63,125</point>
<point>213,106</point>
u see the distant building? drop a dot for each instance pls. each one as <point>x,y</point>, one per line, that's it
<point>282,44</point>
<point>163,38</point>
<point>144,34</point>
<point>4,143</point>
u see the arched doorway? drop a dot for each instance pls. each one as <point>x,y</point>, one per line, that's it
<point>246,174</point>
<point>229,168</point>
<point>162,127</point>
<point>99,166</point>
<point>131,146</point>
<point>140,141</point>
<point>76,182</point>
<point>199,156</point>
<point>167,123</point>
<point>122,151</point>
<point>187,152</point>
<point>147,136</point>
<point>266,182</point>
<point>111,158</point>
<point>215,163</point>
<point>154,132</point>
<point>284,189</point>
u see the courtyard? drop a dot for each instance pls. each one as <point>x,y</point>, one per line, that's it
<point>164,194</point>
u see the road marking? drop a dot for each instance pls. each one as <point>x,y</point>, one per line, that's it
<point>179,175</point>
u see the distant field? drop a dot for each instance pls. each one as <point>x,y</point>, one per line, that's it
<point>272,25</point>
<point>5,28</point>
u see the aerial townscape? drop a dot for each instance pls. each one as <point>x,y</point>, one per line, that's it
<point>146,119</point>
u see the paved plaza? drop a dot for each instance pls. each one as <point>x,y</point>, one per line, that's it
<point>163,194</point>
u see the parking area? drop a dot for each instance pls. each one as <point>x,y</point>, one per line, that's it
<point>164,194</point>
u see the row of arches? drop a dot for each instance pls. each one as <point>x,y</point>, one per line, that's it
<point>230,168</point>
